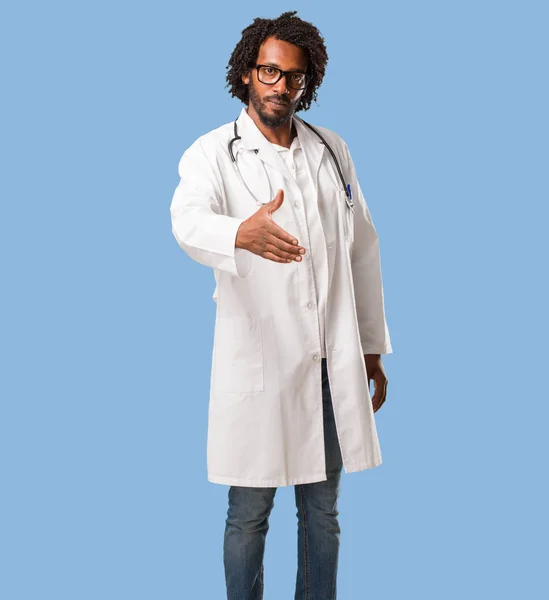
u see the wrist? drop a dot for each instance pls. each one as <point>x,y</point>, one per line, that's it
<point>238,240</point>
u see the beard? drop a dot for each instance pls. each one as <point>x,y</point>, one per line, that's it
<point>269,120</point>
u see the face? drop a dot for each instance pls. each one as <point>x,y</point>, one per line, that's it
<point>275,104</point>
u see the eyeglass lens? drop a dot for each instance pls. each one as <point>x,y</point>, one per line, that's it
<point>271,75</point>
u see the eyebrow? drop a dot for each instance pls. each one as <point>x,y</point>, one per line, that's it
<point>273,64</point>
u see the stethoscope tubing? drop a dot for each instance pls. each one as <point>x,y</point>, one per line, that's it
<point>345,186</point>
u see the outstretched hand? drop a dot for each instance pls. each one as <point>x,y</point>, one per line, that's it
<point>262,236</point>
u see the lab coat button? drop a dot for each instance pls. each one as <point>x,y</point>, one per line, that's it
<point>297,205</point>
<point>315,357</point>
<point>310,305</point>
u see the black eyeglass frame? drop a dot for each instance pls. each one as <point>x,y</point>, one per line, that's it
<point>284,74</point>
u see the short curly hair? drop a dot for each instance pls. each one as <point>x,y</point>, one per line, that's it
<point>288,28</point>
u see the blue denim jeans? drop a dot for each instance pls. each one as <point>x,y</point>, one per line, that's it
<point>318,528</point>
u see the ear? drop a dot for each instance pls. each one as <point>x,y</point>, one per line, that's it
<point>246,78</point>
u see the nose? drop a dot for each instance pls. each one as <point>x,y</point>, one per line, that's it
<point>280,86</point>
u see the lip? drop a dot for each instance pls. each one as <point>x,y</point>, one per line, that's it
<point>275,103</point>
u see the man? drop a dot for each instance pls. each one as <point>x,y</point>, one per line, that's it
<point>300,322</point>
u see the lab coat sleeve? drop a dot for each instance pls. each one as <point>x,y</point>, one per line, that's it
<point>200,229</point>
<point>366,267</point>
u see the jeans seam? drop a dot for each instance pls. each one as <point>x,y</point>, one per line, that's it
<point>305,553</point>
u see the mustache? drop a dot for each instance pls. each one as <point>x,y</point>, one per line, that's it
<point>278,99</point>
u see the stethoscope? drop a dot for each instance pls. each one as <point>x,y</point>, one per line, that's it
<point>346,186</point>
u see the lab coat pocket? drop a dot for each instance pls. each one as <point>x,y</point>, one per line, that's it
<point>347,217</point>
<point>238,355</point>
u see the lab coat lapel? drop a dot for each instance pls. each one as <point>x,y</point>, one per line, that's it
<point>313,149</point>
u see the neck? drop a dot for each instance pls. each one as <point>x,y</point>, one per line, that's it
<point>282,135</point>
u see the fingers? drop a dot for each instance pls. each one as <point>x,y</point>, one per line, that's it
<point>271,247</point>
<point>281,245</point>
<point>280,234</point>
<point>380,392</point>
<point>271,250</point>
<point>274,257</point>
<point>282,248</point>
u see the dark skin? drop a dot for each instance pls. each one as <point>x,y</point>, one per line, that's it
<point>376,372</point>
<point>287,57</point>
<point>259,233</point>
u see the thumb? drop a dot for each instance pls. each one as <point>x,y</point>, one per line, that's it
<point>277,201</point>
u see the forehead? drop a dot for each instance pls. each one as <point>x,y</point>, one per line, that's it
<point>282,54</point>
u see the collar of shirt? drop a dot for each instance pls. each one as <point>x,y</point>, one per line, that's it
<point>291,156</point>
<point>293,146</point>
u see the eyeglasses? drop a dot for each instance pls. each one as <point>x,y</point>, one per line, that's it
<point>270,75</point>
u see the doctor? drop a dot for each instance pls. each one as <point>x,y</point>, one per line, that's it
<point>300,323</point>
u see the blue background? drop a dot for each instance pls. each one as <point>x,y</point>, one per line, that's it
<point>107,325</point>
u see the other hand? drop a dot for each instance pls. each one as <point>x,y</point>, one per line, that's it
<point>375,371</point>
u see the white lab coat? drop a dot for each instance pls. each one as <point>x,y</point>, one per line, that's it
<point>265,419</point>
